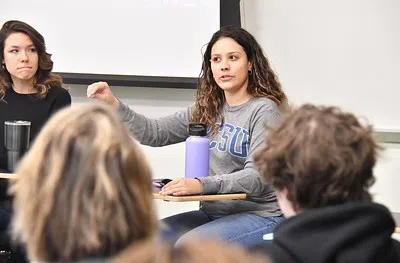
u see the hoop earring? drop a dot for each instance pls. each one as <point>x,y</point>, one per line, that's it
<point>3,66</point>
<point>250,71</point>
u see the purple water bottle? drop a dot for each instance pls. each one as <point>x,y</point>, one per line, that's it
<point>197,151</point>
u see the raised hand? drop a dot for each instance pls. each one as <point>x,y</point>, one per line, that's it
<point>101,91</point>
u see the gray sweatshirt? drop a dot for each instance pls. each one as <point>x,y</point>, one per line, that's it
<point>232,168</point>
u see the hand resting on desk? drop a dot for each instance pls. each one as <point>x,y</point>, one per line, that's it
<point>182,186</point>
<point>159,183</point>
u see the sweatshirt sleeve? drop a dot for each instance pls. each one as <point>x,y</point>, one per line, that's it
<point>156,132</point>
<point>248,179</point>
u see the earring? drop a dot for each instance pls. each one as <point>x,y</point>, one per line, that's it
<point>250,71</point>
<point>3,66</point>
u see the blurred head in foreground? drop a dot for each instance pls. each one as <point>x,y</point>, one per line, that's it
<point>84,188</point>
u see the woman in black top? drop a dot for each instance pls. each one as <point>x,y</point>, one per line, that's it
<point>28,89</point>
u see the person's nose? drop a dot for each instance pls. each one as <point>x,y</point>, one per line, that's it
<point>224,65</point>
<point>24,56</point>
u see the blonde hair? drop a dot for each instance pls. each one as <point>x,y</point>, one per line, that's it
<point>83,189</point>
<point>192,251</point>
<point>202,251</point>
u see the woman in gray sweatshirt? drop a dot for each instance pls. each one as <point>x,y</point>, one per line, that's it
<point>238,97</point>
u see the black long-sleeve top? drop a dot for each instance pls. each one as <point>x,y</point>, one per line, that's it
<point>29,107</point>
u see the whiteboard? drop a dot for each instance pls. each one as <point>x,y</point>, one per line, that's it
<point>343,53</point>
<point>122,37</point>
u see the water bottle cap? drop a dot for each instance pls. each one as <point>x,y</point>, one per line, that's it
<point>197,129</point>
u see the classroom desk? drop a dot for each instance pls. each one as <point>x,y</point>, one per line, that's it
<point>186,198</point>
<point>170,198</point>
<point>189,198</point>
<point>7,176</point>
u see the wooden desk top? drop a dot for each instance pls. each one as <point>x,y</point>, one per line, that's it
<point>7,176</point>
<point>188,198</point>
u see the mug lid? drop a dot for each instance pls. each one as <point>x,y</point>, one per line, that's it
<point>18,122</point>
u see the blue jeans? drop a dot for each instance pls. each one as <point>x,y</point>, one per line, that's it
<point>243,229</point>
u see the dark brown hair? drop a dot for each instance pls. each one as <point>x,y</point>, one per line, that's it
<point>263,82</point>
<point>44,77</point>
<point>321,155</point>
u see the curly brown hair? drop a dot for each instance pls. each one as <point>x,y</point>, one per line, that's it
<point>321,155</point>
<point>263,82</point>
<point>43,77</point>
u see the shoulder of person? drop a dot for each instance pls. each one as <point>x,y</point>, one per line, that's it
<point>59,93</point>
<point>264,104</point>
<point>58,89</point>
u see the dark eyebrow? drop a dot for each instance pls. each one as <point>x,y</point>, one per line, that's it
<point>229,53</point>
<point>19,46</point>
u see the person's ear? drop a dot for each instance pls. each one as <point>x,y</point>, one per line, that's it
<point>249,68</point>
<point>288,208</point>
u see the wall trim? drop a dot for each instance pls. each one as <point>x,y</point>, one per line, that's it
<point>387,136</point>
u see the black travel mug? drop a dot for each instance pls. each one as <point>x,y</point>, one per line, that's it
<point>16,141</point>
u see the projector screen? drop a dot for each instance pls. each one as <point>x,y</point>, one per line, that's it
<point>121,37</point>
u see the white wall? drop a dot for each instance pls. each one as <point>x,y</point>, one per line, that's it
<point>343,53</point>
<point>168,161</point>
<point>386,189</point>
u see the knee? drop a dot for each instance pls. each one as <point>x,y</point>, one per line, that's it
<point>198,235</point>
<point>184,238</point>
<point>167,233</point>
